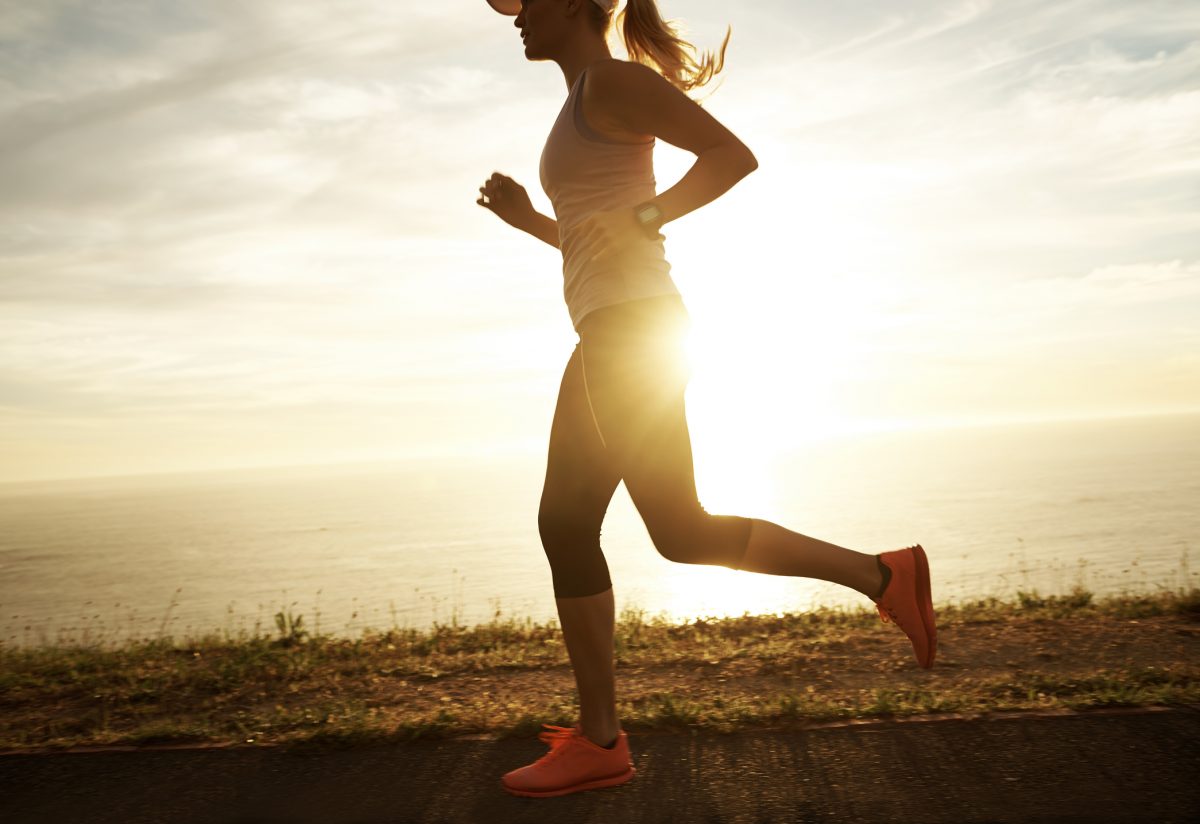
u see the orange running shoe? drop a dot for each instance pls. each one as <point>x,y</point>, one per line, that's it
<point>907,603</point>
<point>574,763</point>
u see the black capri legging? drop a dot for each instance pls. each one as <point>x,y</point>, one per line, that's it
<point>620,416</point>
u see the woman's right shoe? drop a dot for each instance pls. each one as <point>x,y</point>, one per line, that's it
<point>574,763</point>
<point>907,601</point>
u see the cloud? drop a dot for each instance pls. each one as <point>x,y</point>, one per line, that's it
<point>1123,285</point>
<point>230,206</point>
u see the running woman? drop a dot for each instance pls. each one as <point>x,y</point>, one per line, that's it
<point>620,410</point>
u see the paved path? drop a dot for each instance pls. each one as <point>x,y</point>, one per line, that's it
<point>1135,767</point>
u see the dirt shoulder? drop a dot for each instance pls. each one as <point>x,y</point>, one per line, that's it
<point>507,679</point>
<point>1007,664</point>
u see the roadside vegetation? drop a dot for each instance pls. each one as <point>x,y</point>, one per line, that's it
<point>509,676</point>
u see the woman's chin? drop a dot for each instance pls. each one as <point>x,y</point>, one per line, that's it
<point>530,53</point>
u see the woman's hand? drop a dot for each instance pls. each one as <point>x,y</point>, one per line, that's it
<point>507,199</point>
<point>607,233</point>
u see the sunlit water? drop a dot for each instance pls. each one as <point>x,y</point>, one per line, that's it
<point>1109,505</point>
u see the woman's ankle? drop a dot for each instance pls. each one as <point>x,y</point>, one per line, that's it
<point>603,735</point>
<point>885,578</point>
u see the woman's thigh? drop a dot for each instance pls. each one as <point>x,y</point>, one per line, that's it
<point>635,374</point>
<point>580,473</point>
<point>637,398</point>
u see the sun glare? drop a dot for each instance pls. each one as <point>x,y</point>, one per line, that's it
<point>758,389</point>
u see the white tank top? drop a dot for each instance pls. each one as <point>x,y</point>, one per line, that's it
<point>583,172</point>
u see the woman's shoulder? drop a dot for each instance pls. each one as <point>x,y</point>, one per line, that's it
<point>623,80</point>
<point>617,68</point>
<point>612,87</point>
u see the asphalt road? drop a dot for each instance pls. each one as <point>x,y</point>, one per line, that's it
<point>1135,767</point>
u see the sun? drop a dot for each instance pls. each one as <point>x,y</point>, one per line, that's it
<point>761,387</point>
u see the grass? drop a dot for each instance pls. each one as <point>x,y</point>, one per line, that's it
<point>509,676</point>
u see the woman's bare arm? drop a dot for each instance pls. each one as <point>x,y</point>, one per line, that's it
<point>542,228</point>
<point>509,201</point>
<point>643,102</point>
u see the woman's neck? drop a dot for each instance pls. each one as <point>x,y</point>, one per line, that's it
<point>574,65</point>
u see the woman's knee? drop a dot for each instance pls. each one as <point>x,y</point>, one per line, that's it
<point>566,531</point>
<point>572,546</point>
<point>556,527</point>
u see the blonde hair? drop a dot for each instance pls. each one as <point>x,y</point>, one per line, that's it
<point>656,43</point>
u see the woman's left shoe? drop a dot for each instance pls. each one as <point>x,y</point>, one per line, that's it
<point>574,763</point>
<point>907,602</point>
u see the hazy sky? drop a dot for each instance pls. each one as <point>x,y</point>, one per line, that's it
<point>236,234</point>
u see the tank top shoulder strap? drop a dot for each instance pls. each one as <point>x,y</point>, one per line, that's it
<point>584,129</point>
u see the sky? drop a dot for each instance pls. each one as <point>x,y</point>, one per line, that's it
<point>245,234</point>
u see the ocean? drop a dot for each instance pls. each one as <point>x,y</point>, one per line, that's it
<point>1111,505</point>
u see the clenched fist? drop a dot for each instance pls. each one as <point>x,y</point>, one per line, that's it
<point>507,199</point>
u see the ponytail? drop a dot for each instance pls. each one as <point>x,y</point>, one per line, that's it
<point>656,43</point>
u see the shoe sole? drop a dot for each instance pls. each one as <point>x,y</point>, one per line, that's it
<point>925,602</point>
<point>596,784</point>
